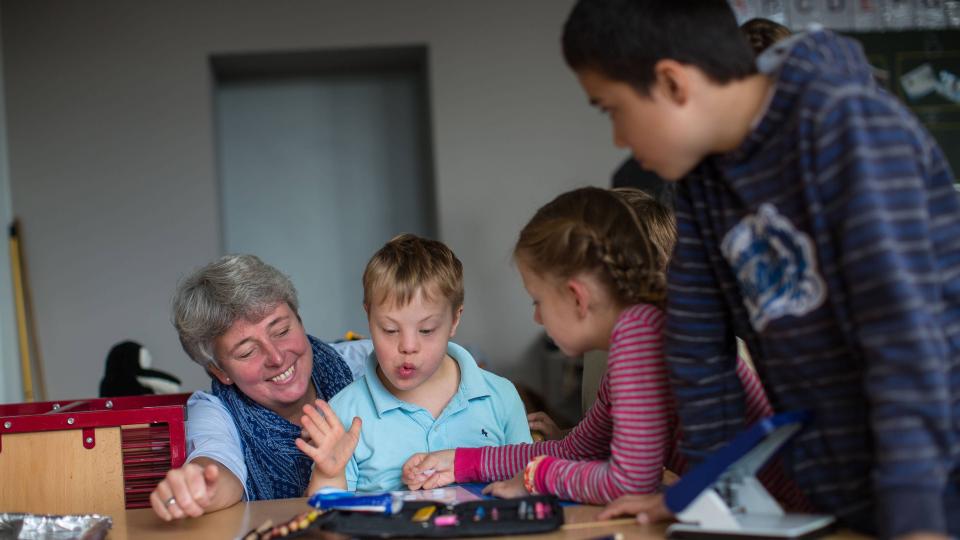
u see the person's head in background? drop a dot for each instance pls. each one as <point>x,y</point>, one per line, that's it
<point>667,73</point>
<point>762,33</point>
<point>237,317</point>
<point>413,296</point>
<point>587,255</point>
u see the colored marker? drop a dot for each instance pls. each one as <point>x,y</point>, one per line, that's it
<point>446,520</point>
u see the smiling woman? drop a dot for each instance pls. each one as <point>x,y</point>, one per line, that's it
<point>237,317</point>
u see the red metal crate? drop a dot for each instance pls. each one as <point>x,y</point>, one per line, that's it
<point>153,438</point>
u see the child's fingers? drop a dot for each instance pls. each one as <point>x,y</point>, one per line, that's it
<point>619,507</point>
<point>313,452</point>
<point>317,417</point>
<point>411,473</point>
<point>354,432</point>
<point>317,435</point>
<point>497,489</point>
<point>536,416</point>
<point>413,462</point>
<point>432,481</point>
<point>413,482</point>
<point>639,505</point>
<point>429,463</point>
<point>329,417</point>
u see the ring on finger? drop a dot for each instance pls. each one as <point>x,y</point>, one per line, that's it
<point>171,501</point>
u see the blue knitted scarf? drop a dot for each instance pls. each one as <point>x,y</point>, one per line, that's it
<point>276,468</point>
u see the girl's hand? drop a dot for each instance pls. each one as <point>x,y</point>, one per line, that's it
<point>508,489</point>
<point>429,470</point>
<point>185,492</point>
<point>648,508</point>
<point>330,446</point>
<point>541,421</point>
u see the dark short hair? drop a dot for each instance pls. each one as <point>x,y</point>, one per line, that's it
<point>624,39</point>
<point>762,33</point>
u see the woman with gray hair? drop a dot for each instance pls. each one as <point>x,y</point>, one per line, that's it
<point>237,317</point>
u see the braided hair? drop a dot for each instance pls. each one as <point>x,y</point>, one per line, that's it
<point>624,236</point>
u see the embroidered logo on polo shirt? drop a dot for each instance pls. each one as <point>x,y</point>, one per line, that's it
<point>775,265</point>
<point>484,432</point>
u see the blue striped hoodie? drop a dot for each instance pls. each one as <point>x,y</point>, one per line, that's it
<point>830,242</point>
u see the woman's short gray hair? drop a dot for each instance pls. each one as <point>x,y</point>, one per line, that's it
<point>231,288</point>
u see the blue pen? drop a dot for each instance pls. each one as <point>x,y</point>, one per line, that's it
<point>338,499</point>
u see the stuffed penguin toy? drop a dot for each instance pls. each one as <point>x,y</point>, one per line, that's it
<point>128,373</point>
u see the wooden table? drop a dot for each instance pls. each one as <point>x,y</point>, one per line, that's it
<point>237,520</point>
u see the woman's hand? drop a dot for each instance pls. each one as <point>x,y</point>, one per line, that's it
<point>330,446</point>
<point>648,508</point>
<point>541,421</point>
<point>429,470</point>
<point>185,492</point>
<point>508,489</point>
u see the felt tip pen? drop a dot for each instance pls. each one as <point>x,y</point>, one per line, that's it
<point>338,499</point>
<point>616,536</point>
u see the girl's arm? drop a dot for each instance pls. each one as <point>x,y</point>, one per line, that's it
<point>641,415</point>
<point>589,440</point>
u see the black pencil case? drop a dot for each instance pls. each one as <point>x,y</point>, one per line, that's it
<point>491,517</point>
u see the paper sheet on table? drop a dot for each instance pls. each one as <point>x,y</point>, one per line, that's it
<point>446,495</point>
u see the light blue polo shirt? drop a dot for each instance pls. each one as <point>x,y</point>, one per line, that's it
<point>485,411</point>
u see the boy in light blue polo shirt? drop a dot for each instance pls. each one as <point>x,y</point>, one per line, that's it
<point>419,392</point>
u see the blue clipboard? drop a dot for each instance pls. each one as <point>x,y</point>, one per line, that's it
<point>723,497</point>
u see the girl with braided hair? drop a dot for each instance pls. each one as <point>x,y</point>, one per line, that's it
<point>594,261</point>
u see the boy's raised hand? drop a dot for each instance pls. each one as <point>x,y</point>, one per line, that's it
<point>429,470</point>
<point>330,446</point>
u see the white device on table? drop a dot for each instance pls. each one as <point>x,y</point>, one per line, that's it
<point>722,497</point>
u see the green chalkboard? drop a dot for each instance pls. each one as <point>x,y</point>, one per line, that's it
<point>922,68</point>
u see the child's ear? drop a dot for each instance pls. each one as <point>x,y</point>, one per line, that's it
<point>457,316</point>
<point>673,81</point>
<point>581,295</point>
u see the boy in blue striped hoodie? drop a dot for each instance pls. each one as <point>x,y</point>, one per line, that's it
<point>818,221</point>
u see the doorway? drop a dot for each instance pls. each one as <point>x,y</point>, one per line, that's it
<point>323,157</point>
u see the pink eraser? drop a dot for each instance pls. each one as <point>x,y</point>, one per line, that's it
<point>447,520</point>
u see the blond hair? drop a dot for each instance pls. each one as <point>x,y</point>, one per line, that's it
<point>624,236</point>
<point>407,264</point>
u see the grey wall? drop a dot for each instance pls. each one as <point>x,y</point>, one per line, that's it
<point>11,389</point>
<point>112,151</point>
<point>316,174</point>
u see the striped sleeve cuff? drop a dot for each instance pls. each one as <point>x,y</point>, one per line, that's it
<point>542,473</point>
<point>466,464</point>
